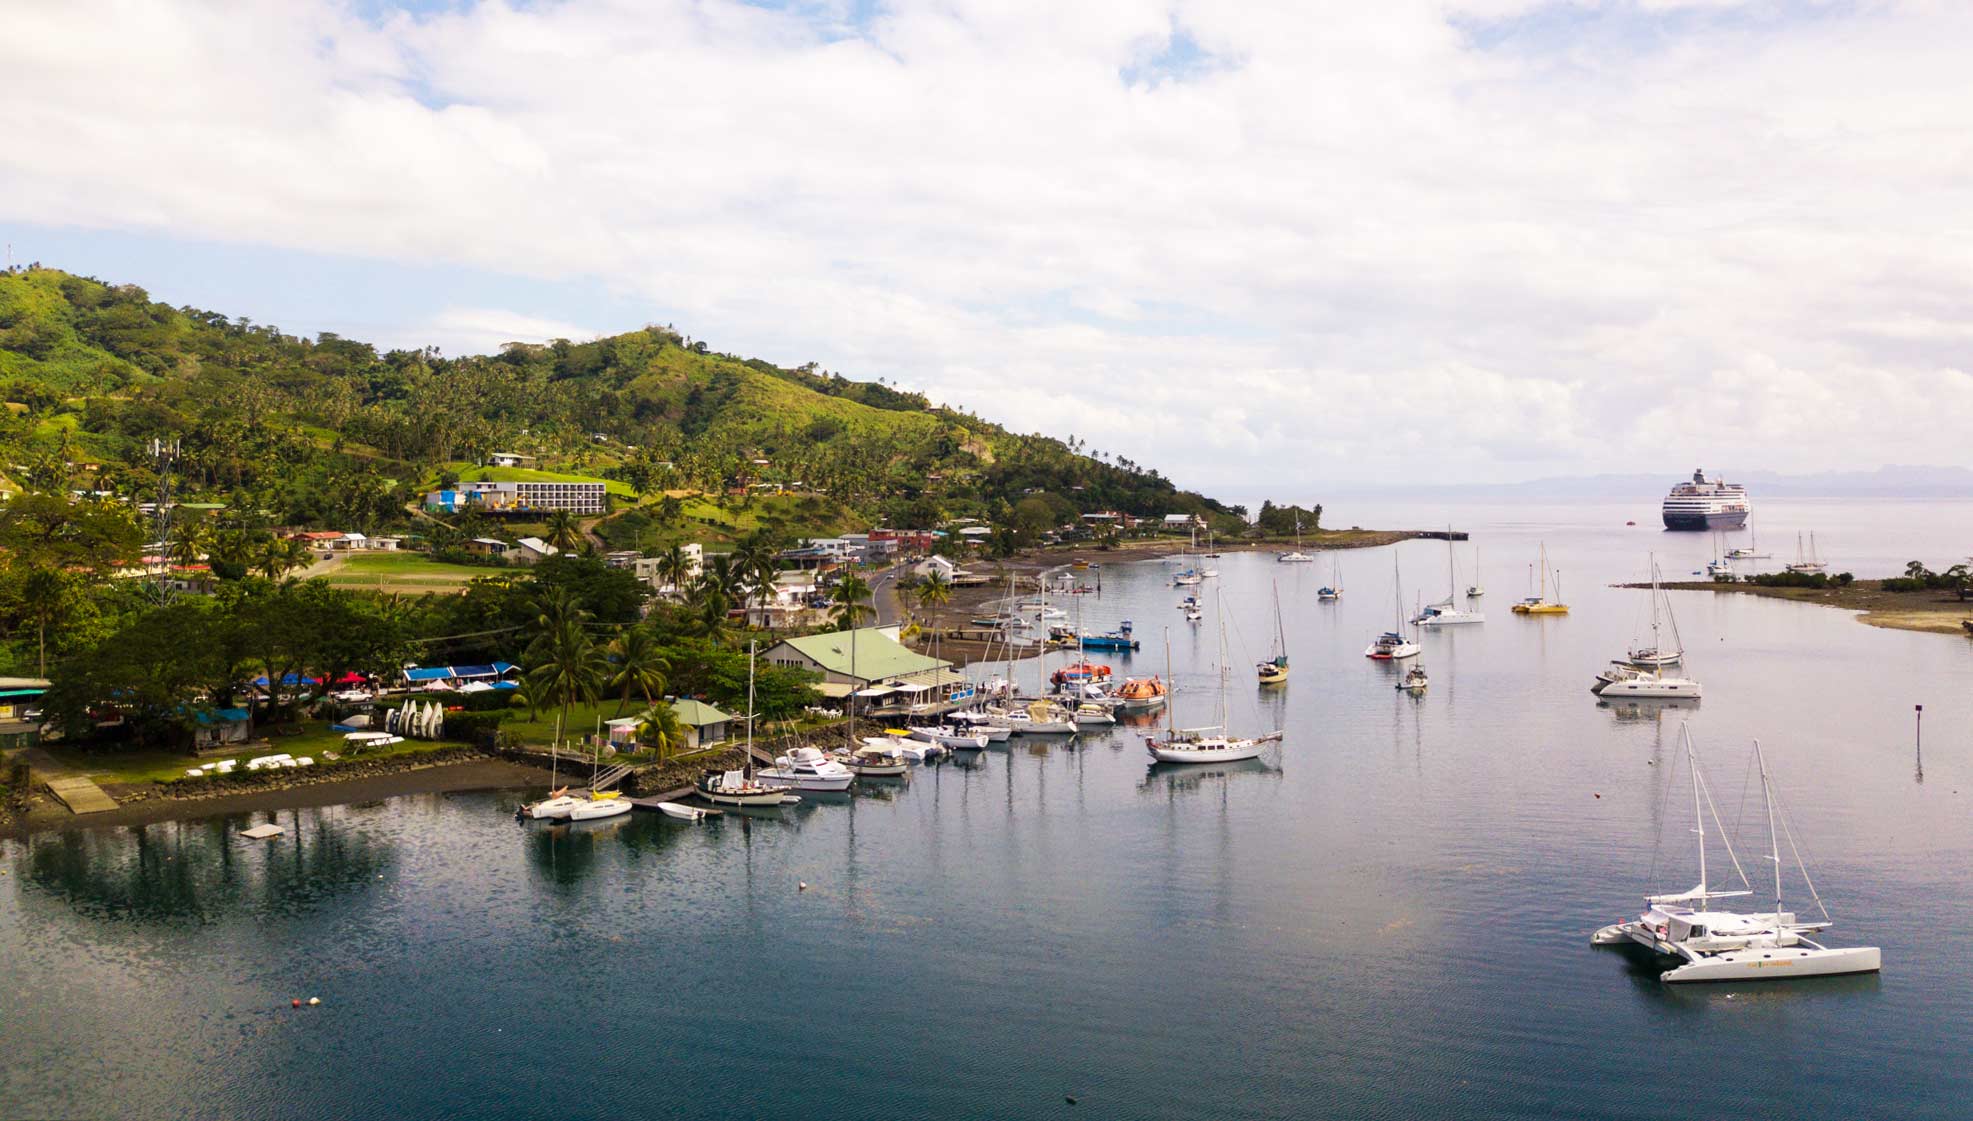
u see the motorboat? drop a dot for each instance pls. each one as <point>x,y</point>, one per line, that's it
<point>734,788</point>
<point>1623,680</point>
<point>1415,680</point>
<point>1713,943</point>
<point>970,723</point>
<point>1039,718</point>
<point>683,812</point>
<point>598,806</point>
<point>946,735</point>
<point>1194,615</point>
<point>876,762</point>
<point>1087,715</point>
<point>806,768</point>
<point>1539,603</point>
<point>1189,603</point>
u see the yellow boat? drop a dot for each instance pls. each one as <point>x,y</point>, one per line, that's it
<point>1540,604</point>
<point>1275,670</point>
<point>1271,673</point>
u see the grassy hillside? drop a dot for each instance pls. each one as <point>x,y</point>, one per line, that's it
<point>290,430</point>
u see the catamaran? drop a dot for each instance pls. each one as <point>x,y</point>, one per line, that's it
<point>1657,654</point>
<point>1275,670</point>
<point>1444,613</point>
<point>1623,681</point>
<point>1539,603</point>
<point>1392,645</point>
<point>1721,945</point>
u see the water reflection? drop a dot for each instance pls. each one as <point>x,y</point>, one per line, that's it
<point>199,871</point>
<point>1190,778</point>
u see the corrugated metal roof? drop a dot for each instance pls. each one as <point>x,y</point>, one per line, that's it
<point>877,655</point>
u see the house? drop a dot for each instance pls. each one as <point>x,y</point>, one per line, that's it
<point>219,727</point>
<point>866,658</point>
<point>787,603</point>
<point>488,547</point>
<point>531,549</point>
<point>509,459</point>
<point>704,724</point>
<point>909,540</point>
<point>650,570</point>
<point>944,567</point>
<point>975,535</point>
<point>1181,521</point>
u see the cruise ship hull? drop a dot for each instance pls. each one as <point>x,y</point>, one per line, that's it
<point>1722,519</point>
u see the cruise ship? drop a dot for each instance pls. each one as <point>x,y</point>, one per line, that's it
<point>1706,504</point>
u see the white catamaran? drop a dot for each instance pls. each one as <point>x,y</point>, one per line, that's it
<point>1721,945</point>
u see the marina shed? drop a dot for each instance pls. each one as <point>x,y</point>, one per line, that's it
<point>704,724</point>
<point>220,726</point>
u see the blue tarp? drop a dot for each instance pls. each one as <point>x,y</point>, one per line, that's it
<point>222,716</point>
<point>447,673</point>
<point>428,673</point>
<point>287,680</point>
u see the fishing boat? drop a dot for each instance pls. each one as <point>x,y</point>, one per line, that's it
<point>1807,562</point>
<point>1716,944</point>
<point>1415,680</point>
<point>1444,613</point>
<point>1624,681</point>
<point>1539,603</point>
<point>806,768</point>
<point>1274,671</point>
<point>1205,745</point>
<point>1119,639</point>
<point>1657,653</point>
<point>1392,645</point>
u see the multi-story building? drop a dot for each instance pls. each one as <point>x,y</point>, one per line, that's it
<point>519,498</point>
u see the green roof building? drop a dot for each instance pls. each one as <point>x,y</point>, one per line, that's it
<point>858,659</point>
<point>704,724</point>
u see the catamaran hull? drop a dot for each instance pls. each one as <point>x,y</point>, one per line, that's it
<point>1777,964</point>
<point>1391,654</point>
<point>1650,689</point>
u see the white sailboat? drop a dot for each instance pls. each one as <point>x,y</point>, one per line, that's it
<point>1332,591</point>
<point>1475,590</point>
<point>1211,744</point>
<point>1444,613</point>
<point>1722,945</point>
<point>1752,551</point>
<point>1392,645</point>
<point>737,788</point>
<point>1297,556</point>
<point>1806,561</point>
<point>1658,654</point>
<point>1625,681</point>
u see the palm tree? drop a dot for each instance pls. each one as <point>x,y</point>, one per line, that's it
<point>565,664</point>
<point>848,599</point>
<point>674,568</point>
<point>934,590</point>
<point>527,694</point>
<point>564,532</point>
<point>659,726</point>
<point>639,666</point>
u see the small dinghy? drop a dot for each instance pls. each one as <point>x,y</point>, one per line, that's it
<point>683,812</point>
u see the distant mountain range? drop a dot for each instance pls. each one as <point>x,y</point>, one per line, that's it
<point>1885,482</point>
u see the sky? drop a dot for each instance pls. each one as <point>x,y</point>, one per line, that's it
<point>1305,243</point>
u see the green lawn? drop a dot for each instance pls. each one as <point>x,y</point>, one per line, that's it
<point>471,473</point>
<point>132,767</point>
<point>405,572</point>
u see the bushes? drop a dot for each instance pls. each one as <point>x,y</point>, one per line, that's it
<point>498,700</point>
<point>472,727</point>
<point>1800,580</point>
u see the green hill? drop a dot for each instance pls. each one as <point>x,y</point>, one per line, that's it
<point>331,430</point>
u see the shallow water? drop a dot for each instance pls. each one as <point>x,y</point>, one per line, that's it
<point>1387,919</point>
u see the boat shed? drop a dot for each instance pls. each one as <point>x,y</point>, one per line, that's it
<point>704,724</point>
<point>220,726</point>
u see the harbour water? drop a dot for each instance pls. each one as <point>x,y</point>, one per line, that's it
<point>1387,918</point>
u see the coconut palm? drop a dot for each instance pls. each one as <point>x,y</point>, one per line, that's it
<point>278,555</point>
<point>528,695</point>
<point>564,662</point>
<point>934,590</point>
<point>564,532</point>
<point>638,666</point>
<point>674,568</point>
<point>660,727</point>
<point>848,597</point>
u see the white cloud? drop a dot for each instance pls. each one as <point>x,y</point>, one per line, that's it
<point>1365,242</point>
<point>484,330</point>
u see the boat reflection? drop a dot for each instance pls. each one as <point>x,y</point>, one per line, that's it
<point>1180,778</point>
<point>1645,709</point>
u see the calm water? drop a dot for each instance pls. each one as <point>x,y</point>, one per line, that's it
<point>1389,920</point>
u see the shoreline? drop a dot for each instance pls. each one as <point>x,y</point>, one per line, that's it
<point>486,772</point>
<point>1927,612</point>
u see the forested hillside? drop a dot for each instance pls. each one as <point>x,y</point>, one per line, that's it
<point>330,430</point>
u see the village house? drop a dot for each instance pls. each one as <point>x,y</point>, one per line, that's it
<point>704,724</point>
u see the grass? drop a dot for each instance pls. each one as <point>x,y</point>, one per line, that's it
<point>468,472</point>
<point>405,572</point>
<point>149,765</point>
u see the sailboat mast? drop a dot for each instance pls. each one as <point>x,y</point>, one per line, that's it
<point>747,763</point>
<point>1219,609</point>
<point>1698,814</point>
<point>1171,688</point>
<point>1774,842</point>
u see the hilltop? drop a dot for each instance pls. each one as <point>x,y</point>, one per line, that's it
<point>293,430</point>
